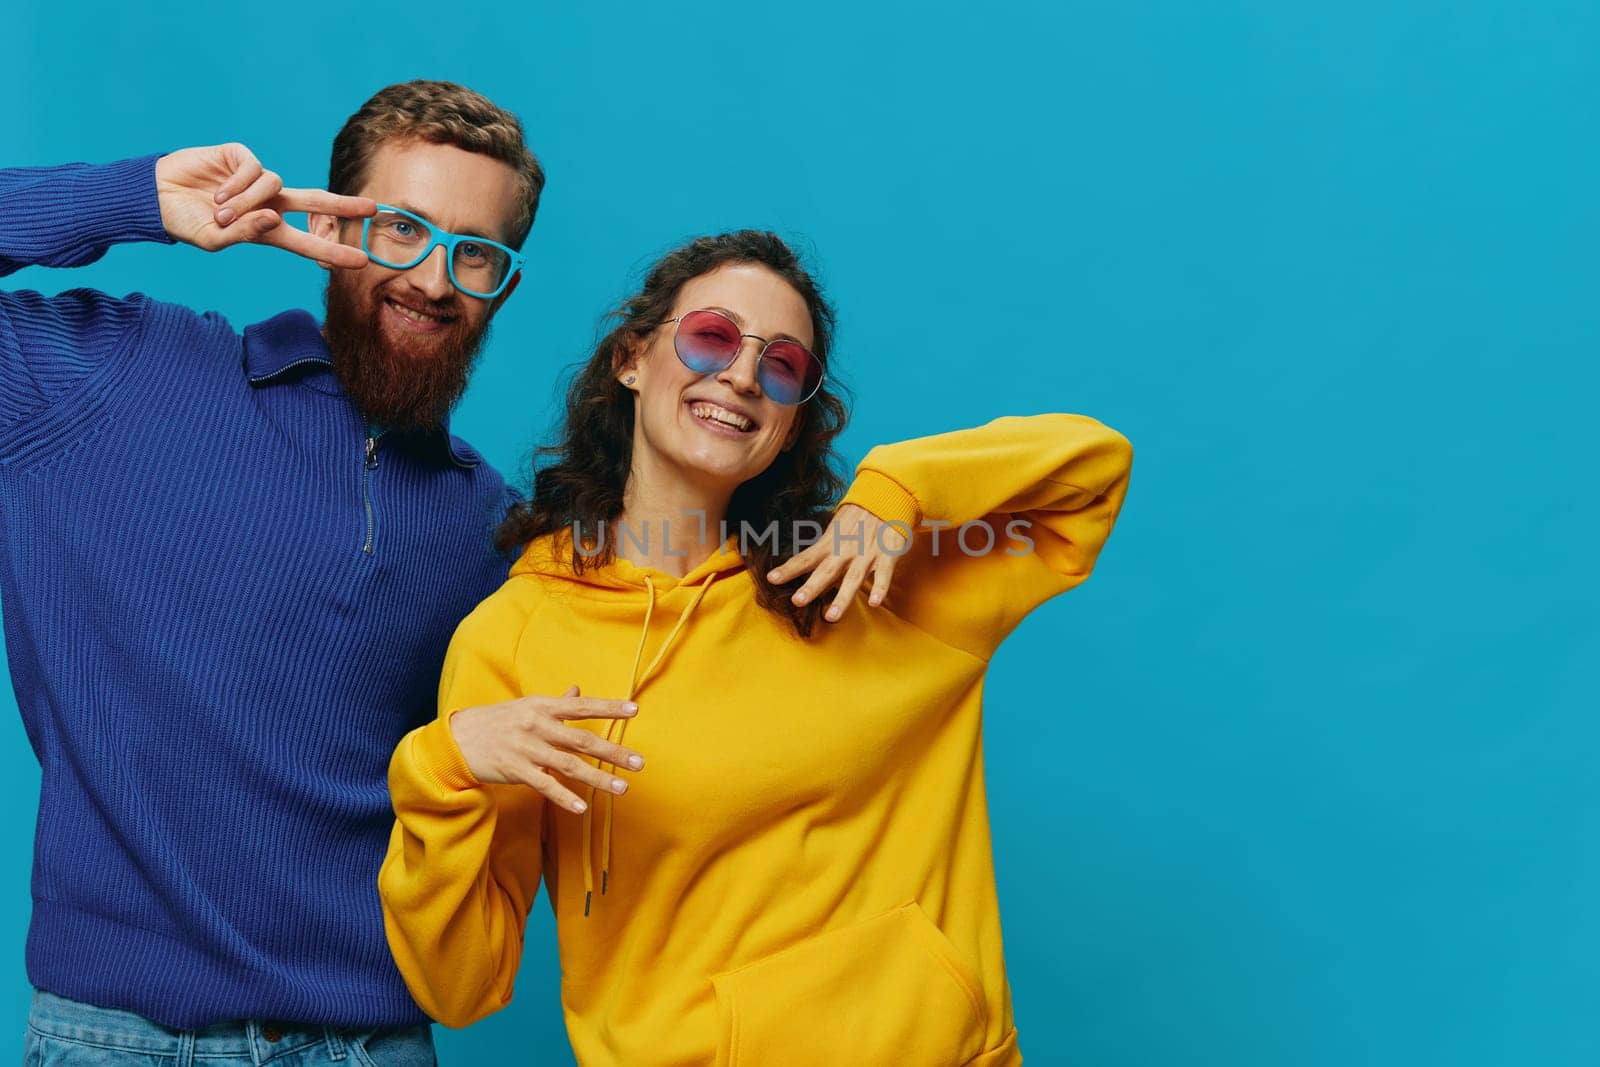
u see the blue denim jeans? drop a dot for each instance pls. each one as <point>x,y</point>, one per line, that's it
<point>67,1033</point>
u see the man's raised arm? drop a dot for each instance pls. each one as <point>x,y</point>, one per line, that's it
<point>68,216</point>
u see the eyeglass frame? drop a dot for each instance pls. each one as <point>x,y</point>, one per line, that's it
<point>765,344</point>
<point>449,241</point>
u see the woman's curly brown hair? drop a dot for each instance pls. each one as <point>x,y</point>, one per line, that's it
<point>578,484</point>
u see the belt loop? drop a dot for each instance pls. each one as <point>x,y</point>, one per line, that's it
<point>335,1044</point>
<point>185,1049</point>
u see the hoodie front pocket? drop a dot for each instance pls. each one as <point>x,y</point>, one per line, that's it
<point>892,989</point>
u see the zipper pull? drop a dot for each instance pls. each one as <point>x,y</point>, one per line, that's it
<point>372,453</point>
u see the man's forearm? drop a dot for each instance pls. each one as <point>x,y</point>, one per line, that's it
<point>68,216</point>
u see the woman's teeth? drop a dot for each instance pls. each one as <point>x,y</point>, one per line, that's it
<point>714,413</point>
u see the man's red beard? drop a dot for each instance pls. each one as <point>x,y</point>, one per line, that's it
<point>398,382</point>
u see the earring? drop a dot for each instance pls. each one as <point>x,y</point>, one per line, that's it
<point>628,380</point>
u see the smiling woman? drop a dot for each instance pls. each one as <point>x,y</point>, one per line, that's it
<point>636,430</point>
<point>803,874</point>
<point>707,410</point>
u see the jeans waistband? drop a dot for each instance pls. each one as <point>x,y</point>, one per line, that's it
<point>251,1040</point>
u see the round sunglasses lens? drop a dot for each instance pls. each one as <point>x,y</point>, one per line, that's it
<point>706,341</point>
<point>789,373</point>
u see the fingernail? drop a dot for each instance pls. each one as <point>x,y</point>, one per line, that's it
<point>773,576</point>
<point>630,707</point>
<point>636,762</point>
<point>578,805</point>
<point>222,194</point>
<point>618,785</point>
<point>833,614</point>
<point>799,598</point>
<point>225,216</point>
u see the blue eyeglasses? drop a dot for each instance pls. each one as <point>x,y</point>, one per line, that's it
<point>400,240</point>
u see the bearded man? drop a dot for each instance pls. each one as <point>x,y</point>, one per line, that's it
<point>230,564</point>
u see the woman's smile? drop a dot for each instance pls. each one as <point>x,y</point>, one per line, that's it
<point>720,419</point>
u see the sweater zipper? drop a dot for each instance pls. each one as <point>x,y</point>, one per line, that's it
<point>369,465</point>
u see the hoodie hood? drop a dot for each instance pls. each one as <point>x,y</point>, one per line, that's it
<point>551,556</point>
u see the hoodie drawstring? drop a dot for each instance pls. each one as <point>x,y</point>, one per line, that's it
<point>619,728</point>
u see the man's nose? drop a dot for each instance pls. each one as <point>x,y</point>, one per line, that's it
<point>431,277</point>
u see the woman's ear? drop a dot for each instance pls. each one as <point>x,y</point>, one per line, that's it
<point>628,363</point>
<point>628,375</point>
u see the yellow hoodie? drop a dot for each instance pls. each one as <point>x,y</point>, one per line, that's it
<point>801,876</point>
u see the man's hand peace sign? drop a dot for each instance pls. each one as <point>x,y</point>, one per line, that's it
<point>219,196</point>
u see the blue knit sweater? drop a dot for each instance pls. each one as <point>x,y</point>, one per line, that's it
<point>221,616</point>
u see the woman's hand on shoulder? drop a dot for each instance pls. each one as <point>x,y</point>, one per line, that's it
<point>527,742</point>
<point>857,544</point>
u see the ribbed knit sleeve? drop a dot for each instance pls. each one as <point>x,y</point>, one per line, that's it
<point>1042,493</point>
<point>48,345</point>
<point>66,217</point>
<point>464,860</point>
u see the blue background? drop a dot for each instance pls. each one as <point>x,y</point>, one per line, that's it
<point>1305,775</point>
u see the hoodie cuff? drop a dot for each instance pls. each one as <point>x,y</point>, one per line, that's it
<point>438,759</point>
<point>884,497</point>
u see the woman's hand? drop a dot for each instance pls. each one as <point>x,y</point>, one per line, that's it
<point>856,543</point>
<point>527,742</point>
<point>219,196</point>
